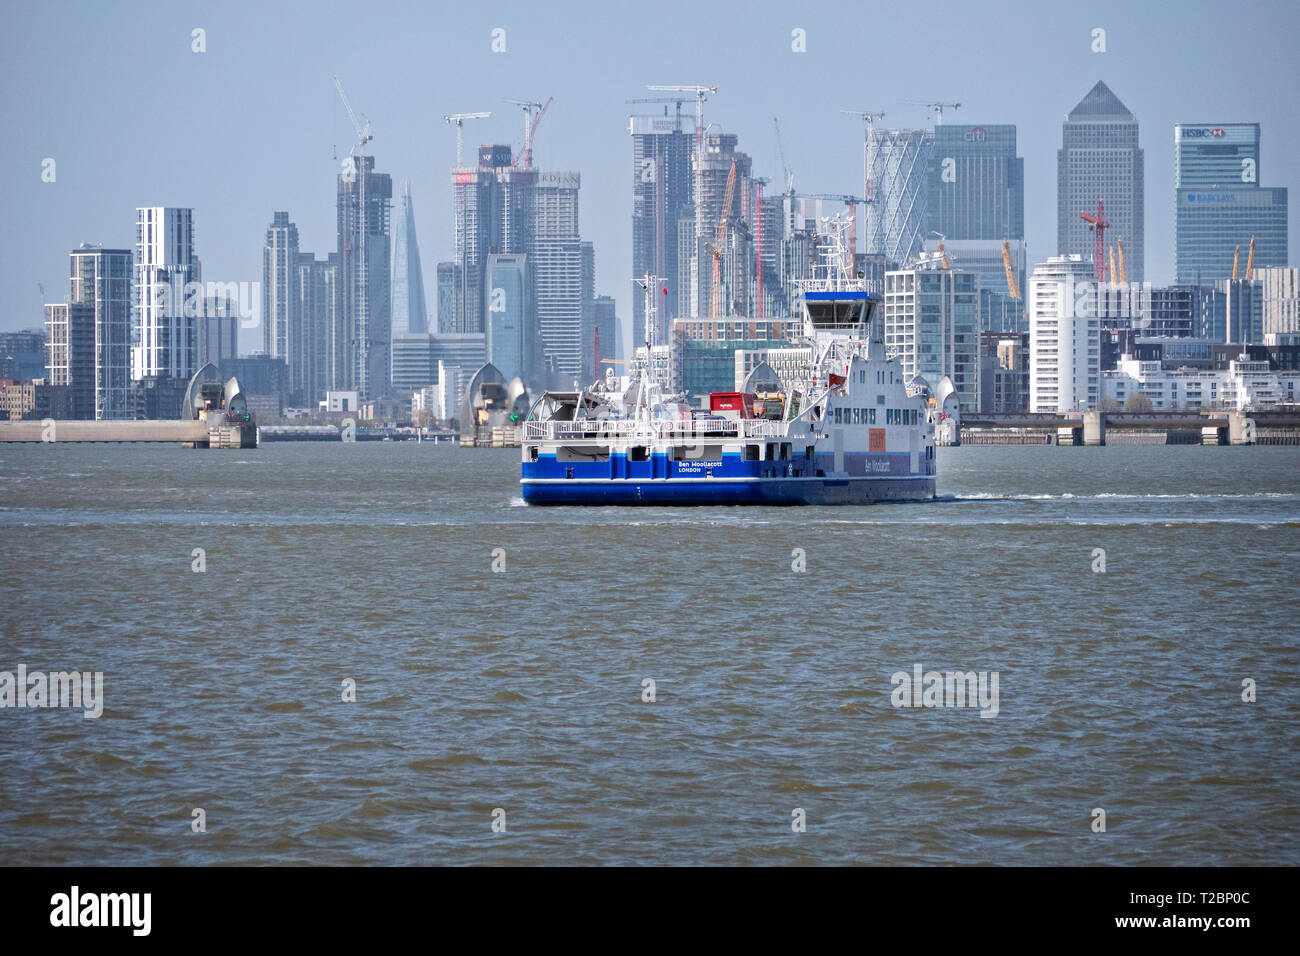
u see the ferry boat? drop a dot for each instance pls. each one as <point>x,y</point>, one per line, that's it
<point>846,429</point>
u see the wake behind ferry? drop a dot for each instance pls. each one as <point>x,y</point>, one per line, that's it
<point>845,429</point>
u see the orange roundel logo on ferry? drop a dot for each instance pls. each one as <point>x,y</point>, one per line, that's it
<point>875,439</point>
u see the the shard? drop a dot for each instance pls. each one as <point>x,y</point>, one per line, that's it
<point>409,313</point>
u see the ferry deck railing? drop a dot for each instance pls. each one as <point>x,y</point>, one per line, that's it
<point>626,430</point>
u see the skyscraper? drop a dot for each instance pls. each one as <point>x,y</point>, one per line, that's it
<point>448,296</point>
<point>493,215</point>
<point>359,357</point>
<point>507,285</point>
<point>976,199</point>
<point>101,279</point>
<point>317,302</point>
<point>163,338</point>
<point>662,186</point>
<point>409,313</point>
<point>556,264</point>
<point>976,183</point>
<point>605,337</point>
<point>1219,205</point>
<point>282,301</point>
<point>899,162</point>
<point>1100,161</point>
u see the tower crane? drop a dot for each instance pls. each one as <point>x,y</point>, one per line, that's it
<point>724,225</point>
<point>1236,261</point>
<point>701,93</point>
<point>1250,261</point>
<point>525,158</point>
<point>1099,225</point>
<point>780,151</point>
<point>938,108</point>
<point>677,100</point>
<point>789,180</point>
<point>363,133</point>
<point>458,119</point>
<point>943,256</point>
<point>1013,284</point>
<point>869,120</point>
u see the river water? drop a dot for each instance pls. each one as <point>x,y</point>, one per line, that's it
<point>518,696</point>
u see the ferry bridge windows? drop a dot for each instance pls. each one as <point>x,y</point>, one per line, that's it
<point>867,416</point>
<point>752,452</point>
<point>639,453</point>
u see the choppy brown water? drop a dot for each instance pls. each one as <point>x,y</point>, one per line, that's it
<point>522,689</point>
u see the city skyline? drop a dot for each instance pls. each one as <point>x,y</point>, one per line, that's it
<point>586,129</point>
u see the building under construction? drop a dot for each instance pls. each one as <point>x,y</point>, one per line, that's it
<point>662,200</point>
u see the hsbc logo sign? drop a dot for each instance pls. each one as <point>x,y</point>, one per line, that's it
<point>1203,132</point>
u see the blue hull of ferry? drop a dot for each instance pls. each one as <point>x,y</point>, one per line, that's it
<point>729,481</point>
<point>763,491</point>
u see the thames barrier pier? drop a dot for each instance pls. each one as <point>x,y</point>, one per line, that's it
<point>1280,427</point>
<point>213,415</point>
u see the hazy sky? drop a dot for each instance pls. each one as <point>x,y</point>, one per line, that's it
<point>132,116</point>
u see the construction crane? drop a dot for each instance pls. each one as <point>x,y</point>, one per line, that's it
<point>1123,272</point>
<point>938,108</point>
<point>869,120</point>
<point>1250,261</point>
<point>676,100</point>
<point>1013,284</point>
<point>701,93</point>
<point>943,256</point>
<point>363,133</point>
<point>780,152</point>
<point>1099,225</point>
<point>458,119</point>
<point>1236,260</point>
<point>724,225</point>
<point>525,157</point>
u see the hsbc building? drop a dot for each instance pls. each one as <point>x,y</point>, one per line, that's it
<point>1219,203</point>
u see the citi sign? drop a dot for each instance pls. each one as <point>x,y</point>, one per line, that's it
<point>1216,132</point>
<point>974,135</point>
